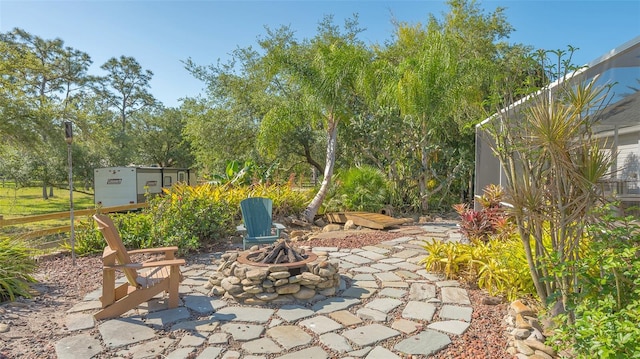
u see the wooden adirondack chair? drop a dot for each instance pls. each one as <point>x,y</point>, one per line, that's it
<point>258,225</point>
<point>158,275</point>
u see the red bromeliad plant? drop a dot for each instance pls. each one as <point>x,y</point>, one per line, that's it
<point>490,220</point>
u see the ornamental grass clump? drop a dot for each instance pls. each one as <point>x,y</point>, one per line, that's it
<point>16,268</point>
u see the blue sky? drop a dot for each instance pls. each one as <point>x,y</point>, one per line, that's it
<point>159,34</point>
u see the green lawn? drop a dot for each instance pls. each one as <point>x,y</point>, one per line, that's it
<point>28,201</point>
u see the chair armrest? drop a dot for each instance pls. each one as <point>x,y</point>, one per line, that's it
<point>153,250</point>
<point>279,226</point>
<point>165,263</point>
<point>241,228</point>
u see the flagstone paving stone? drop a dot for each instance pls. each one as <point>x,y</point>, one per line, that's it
<point>358,292</point>
<point>289,336</point>
<point>376,249</point>
<point>244,314</point>
<point>261,346</point>
<point>345,318</point>
<point>363,276</point>
<point>456,327</point>
<point>79,321</point>
<point>243,332</point>
<point>384,266</point>
<point>372,314</point>
<point>218,338</point>
<point>433,277</point>
<point>405,254</point>
<point>427,342</point>
<point>388,277</point>
<point>363,269</point>
<point>336,342</point>
<point>210,352</point>
<point>391,260</point>
<point>384,305</point>
<point>405,274</point>
<point>121,332</point>
<point>180,353</point>
<point>456,312</point>
<point>408,266</point>
<point>419,310</point>
<point>394,285</point>
<point>293,312</point>
<point>422,291</point>
<point>405,325</point>
<point>309,353</point>
<point>321,324</point>
<point>365,284</point>
<point>196,325</point>
<point>381,353</point>
<point>334,304</point>
<point>370,334</point>
<point>78,346</point>
<point>190,340</point>
<point>455,295</point>
<point>356,259</point>
<point>392,292</point>
<point>360,353</point>
<point>374,256</point>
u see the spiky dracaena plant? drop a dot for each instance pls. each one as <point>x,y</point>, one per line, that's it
<point>16,267</point>
<point>552,163</point>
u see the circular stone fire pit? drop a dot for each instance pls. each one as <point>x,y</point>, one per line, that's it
<point>241,277</point>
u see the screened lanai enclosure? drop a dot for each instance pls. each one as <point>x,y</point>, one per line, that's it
<point>618,126</point>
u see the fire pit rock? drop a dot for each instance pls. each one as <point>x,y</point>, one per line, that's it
<point>248,281</point>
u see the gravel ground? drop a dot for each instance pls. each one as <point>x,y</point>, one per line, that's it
<point>36,324</point>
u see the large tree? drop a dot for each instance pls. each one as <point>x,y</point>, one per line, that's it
<point>224,126</point>
<point>43,78</point>
<point>438,83</point>
<point>327,69</point>
<point>124,90</point>
<point>159,135</point>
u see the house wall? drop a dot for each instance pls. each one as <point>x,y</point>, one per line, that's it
<point>619,128</point>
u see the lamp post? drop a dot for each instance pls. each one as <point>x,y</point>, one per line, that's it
<point>68,137</point>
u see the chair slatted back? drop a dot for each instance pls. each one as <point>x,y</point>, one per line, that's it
<point>256,215</point>
<point>114,241</point>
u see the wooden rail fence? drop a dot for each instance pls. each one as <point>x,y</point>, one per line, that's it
<point>61,215</point>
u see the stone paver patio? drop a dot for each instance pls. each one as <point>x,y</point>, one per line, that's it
<point>388,307</point>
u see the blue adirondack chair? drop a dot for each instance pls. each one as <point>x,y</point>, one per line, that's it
<point>258,226</point>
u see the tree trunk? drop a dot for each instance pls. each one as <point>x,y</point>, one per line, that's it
<point>313,207</point>
<point>422,181</point>
<point>44,191</point>
<point>50,190</point>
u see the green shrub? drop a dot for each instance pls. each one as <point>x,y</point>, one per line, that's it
<point>87,239</point>
<point>190,216</point>
<point>286,199</point>
<point>16,267</point>
<point>187,217</point>
<point>607,306</point>
<point>135,229</point>
<point>362,188</point>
